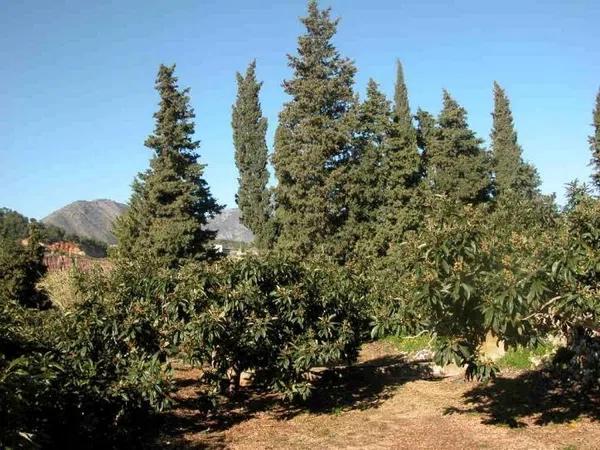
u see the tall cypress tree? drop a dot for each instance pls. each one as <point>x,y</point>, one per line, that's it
<point>171,201</point>
<point>511,172</point>
<point>401,166</point>
<point>595,143</point>
<point>402,114</point>
<point>312,142</point>
<point>456,164</point>
<point>251,157</point>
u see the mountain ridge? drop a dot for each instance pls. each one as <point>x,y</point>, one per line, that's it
<point>94,219</point>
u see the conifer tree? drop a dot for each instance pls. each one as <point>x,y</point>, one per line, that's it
<point>457,166</point>
<point>426,129</point>
<point>251,157</point>
<point>595,143</point>
<point>171,201</point>
<point>366,180</point>
<point>511,172</point>
<point>312,142</point>
<point>401,167</point>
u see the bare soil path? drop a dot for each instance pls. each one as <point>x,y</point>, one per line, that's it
<point>385,402</point>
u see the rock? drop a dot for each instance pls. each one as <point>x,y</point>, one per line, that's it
<point>246,379</point>
<point>423,355</point>
<point>492,348</point>
<point>450,370</point>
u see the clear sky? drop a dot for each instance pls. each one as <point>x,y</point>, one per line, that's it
<point>77,77</point>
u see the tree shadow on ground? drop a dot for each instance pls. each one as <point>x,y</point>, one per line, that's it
<point>361,386</point>
<point>534,397</point>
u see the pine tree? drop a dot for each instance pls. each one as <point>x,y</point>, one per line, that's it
<point>457,166</point>
<point>401,166</point>
<point>595,143</point>
<point>313,139</point>
<point>251,156</point>
<point>365,186</point>
<point>171,201</point>
<point>511,172</point>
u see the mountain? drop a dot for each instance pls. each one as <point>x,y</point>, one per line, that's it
<point>91,219</point>
<point>229,228</point>
<point>94,219</point>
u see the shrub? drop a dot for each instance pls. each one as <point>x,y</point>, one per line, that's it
<point>91,373</point>
<point>472,271</point>
<point>273,316</point>
<point>574,308</point>
<point>21,267</point>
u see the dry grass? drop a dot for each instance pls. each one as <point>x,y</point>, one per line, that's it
<point>60,287</point>
<point>387,402</point>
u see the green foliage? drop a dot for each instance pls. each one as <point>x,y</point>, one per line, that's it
<point>92,373</point>
<point>440,257</point>
<point>15,227</point>
<point>312,141</point>
<point>365,181</point>
<point>511,172</point>
<point>402,168</point>
<point>21,267</point>
<point>251,157</point>
<point>275,317</point>
<point>383,179</point>
<point>470,271</point>
<point>575,268</point>
<point>171,201</point>
<point>455,163</point>
<point>452,268</point>
<point>594,141</point>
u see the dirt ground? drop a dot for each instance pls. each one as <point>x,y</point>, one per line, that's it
<point>386,402</point>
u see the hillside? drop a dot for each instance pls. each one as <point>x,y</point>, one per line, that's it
<point>228,226</point>
<point>94,219</point>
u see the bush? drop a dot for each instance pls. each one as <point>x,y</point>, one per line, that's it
<point>574,309</point>
<point>275,317</point>
<point>91,373</point>
<point>470,271</point>
<point>21,266</point>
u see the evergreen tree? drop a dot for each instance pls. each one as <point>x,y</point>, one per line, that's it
<point>595,143</point>
<point>171,201</point>
<point>312,142</point>
<point>365,184</point>
<point>512,173</point>
<point>402,114</point>
<point>457,166</point>
<point>401,167</point>
<point>251,156</point>
<point>426,129</point>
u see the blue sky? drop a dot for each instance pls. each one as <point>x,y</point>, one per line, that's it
<point>77,97</point>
